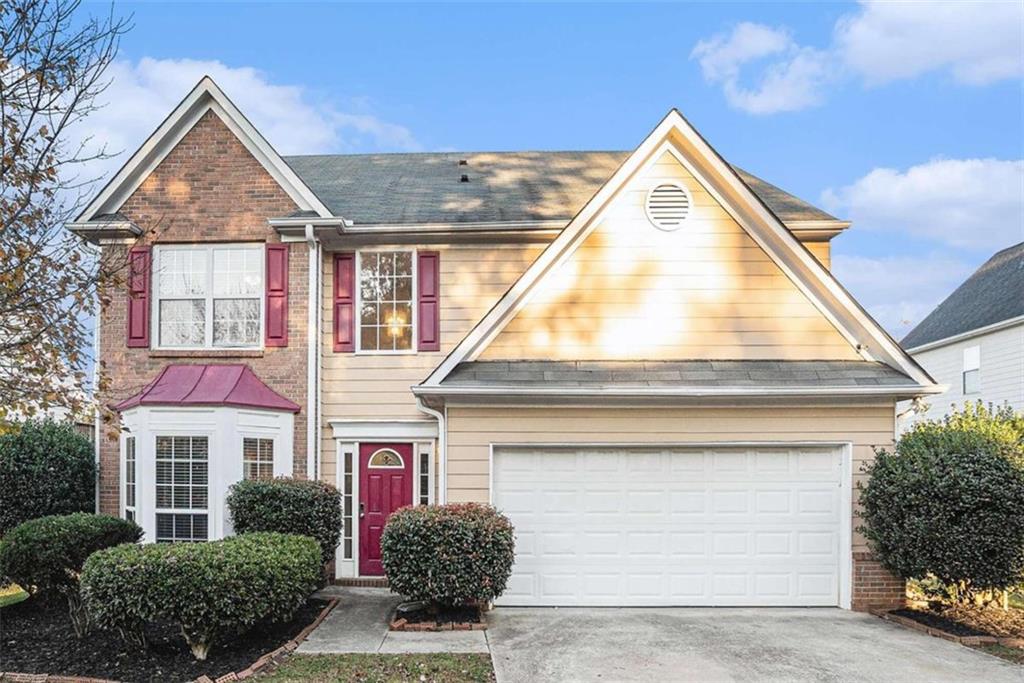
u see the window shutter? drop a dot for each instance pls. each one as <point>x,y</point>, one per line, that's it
<point>277,295</point>
<point>344,302</point>
<point>139,260</point>
<point>429,308</point>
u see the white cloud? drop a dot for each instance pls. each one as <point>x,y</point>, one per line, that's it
<point>791,82</point>
<point>900,291</point>
<point>976,42</point>
<point>295,122</point>
<point>970,203</point>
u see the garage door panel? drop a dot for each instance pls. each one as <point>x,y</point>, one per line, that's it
<point>672,526</point>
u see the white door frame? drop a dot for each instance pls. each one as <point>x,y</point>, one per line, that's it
<point>845,449</point>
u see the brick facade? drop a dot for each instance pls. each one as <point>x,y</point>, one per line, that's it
<point>873,586</point>
<point>209,188</point>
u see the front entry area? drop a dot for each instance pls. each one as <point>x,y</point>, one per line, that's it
<point>676,526</point>
<point>385,484</point>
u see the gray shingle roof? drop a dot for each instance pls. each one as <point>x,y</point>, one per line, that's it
<point>995,292</point>
<point>503,186</point>
<point>687,373</point>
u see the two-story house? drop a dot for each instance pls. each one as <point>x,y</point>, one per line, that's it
<point>641,357</point>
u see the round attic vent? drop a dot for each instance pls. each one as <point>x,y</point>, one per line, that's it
<point>668,206</point>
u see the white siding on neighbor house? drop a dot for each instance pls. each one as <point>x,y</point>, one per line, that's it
<point>1001,372</point>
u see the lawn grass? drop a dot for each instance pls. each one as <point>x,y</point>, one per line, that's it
<point>11,595</point>
<point>380,668</point>
<point>1012,654</point>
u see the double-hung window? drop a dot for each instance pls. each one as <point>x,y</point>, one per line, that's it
<point>129,478</point>
<point>386,301</point>
<point>972,370</point>
<point>257,458</point>
<point>182,488</point>
<point>209,296</point>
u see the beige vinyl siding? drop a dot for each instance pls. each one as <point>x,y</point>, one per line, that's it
<point>472,431</point>
<point>822,251</point>
<point>634,292</point>
<point>369,386</point>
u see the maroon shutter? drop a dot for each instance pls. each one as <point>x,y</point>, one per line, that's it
<point>277,295</point>
<point>344,302</point>
<point>429,309</point>
<point>139,260</point>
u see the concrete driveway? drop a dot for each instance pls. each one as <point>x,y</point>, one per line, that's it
<point>727,644</point>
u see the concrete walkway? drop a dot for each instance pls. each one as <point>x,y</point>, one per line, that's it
<point>670,644</point>
<point>359,624</point>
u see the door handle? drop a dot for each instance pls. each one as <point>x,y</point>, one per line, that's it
<point>362,510</point>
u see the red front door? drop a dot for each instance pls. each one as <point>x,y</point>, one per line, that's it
<point>385,484</point>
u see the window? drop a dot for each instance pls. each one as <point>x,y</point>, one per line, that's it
<point>424,475</point>
<point>182,483</point>
<point>129,478</point>
<point>209,296</point>
<point>972,370</point>
<point>386,457</point>
<point>386,300</point>
<point>348,508</point>
<point>257,458</point>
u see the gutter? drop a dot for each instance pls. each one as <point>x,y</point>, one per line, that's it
<point>442,449</point>
<point>977,332</point>
<point>599,391</point>
<point>313,357</point>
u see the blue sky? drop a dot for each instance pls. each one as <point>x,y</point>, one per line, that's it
<point>906,118</point>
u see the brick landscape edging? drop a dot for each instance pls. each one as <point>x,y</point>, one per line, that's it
<point>274,656</point>
<point>13,677</point>
<point>400,624</point>
<point>946,635</point>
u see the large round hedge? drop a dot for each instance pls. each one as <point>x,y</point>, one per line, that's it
<point>214,591</point>
<point>288,506</point>
<point>47,554</point>
<point>46,468</point>
<point>448,554</point>
<point>949,502</point>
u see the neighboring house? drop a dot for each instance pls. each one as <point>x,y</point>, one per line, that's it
<point>973,342</point>
<point>641,357</point>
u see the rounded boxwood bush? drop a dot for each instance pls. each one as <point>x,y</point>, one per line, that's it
<point>47,554</point>
<point>214,591</point>
<point>448,554</point>
<point>949,503</point>
<point>288,506</point>
<point>46,468</point>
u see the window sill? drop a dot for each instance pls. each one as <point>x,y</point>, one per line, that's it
<point>206,353</point>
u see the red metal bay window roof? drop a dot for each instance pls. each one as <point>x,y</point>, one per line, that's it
<point>208,385</point>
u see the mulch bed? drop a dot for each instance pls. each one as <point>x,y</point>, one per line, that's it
<point>432,618</point>
<point>36,637</point>
<point>962,620</point>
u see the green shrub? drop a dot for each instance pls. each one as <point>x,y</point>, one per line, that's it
<point>214,591</point>
<point>289,506</point>
<point>47,554</point>
<point>448,554</point>
<point>949,503</point>
<point>46,468</point>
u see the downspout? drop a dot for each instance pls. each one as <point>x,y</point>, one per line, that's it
<point>98,415</point>
<point>442,449</point>
<point>312,355</point>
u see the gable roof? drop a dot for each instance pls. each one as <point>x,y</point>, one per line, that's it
<point>208,385</point>
<point>993,294</point>
<point>749,210</point>
<point>204,97</point>
<point>396,189</point>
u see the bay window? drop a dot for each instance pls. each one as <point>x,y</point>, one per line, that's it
<point>208,296</point>
<point>257,458</point>
<point>129,478</point>
<point>182,488</point>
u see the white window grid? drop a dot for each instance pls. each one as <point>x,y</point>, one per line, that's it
<point>182,488</point>
<point>229,272</point>
<point>382,328</point>
<point>257,458</point>
<point>130,478</point>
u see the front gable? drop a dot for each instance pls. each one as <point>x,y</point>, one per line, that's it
<point>633,291</point>
<point>732,283</point>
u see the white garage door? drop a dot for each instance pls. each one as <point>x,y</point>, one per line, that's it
<point>693,526</point>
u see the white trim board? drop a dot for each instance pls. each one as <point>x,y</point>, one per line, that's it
<point>383,430</point>
<point>976,332</point>
<point>205,96</point>
<point>779,243</point>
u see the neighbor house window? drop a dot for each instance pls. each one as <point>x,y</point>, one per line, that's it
<point>386,299</point>
<point>182,488</point>
<point>972,370</point>
<point>129,478</point>
<point>257,458</point>
<point>209,296</point>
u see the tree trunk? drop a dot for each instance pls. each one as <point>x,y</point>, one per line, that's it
<point>200,647</point>
<point>79,615</point>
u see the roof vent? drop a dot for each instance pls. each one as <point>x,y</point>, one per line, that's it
<point>463,162</point>
<point>667,206</point>
<point>464,178</point>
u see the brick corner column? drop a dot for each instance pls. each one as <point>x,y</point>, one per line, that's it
<point>874,587</point>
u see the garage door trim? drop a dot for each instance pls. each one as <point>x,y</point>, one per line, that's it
<point>845,449</point>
